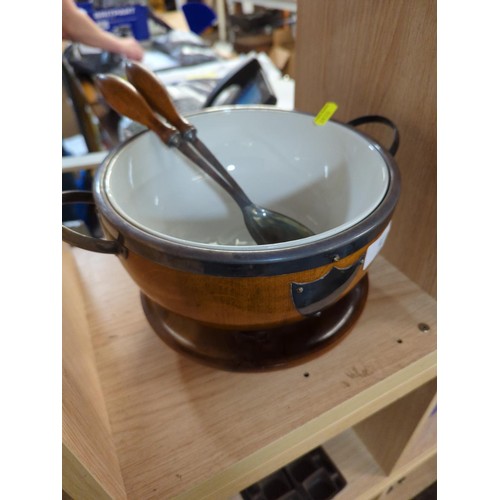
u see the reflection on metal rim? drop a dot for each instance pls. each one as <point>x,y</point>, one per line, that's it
<point>265,260</point>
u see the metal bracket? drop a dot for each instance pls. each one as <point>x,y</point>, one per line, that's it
<point>311,298</point>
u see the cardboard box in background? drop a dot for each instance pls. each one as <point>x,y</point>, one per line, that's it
<point>282,51</point>
<point>259,42</point>
<point>279,46</point>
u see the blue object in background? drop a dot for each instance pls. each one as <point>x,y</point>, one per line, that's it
<point>133,16</point>
<point>199,16</point>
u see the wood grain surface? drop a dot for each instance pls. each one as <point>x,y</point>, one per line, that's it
<point>366,480</point>
<point>388,433</point>
<point>90,464</point>
<point>184,430</point>
<point>379,57</point>
<point>231,302</point>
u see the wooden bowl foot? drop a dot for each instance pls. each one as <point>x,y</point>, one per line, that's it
<point>257,350</point>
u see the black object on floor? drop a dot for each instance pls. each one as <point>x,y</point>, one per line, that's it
<point>311,477</point>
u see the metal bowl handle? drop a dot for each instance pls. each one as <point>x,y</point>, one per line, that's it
<point>80,240</point>
<point>379,119</point>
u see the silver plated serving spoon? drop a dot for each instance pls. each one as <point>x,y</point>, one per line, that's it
<point>140,100</point>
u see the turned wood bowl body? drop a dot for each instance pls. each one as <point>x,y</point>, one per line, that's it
<point>183,241</point>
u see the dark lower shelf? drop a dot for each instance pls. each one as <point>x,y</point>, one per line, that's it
<point>311,477</point>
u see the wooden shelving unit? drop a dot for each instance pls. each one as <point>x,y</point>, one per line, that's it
<point>141,421</point>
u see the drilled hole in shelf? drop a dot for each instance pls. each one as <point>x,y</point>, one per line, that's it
<point>399,341</point>
<point>306,374</point>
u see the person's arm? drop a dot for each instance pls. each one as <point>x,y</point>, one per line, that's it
<point>77,26</point>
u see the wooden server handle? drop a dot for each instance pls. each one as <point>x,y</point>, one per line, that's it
<point>157,96</point>
<point>127,101</point>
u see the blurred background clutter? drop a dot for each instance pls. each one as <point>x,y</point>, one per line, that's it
<point>206,52</point>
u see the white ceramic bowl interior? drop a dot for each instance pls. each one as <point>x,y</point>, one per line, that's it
<point>327,177</point>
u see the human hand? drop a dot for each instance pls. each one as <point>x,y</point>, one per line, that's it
<point>131,49</point>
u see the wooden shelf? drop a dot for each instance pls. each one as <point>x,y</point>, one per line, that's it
<point>183,430</point>
<point>141,421</point>
<point>365,478</point>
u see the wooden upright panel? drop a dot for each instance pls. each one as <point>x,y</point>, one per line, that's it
<point>379,57</point>
<point>90,468</point>
<point>388,433</point>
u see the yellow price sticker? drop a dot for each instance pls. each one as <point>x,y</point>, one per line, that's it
<point>325,113</point>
